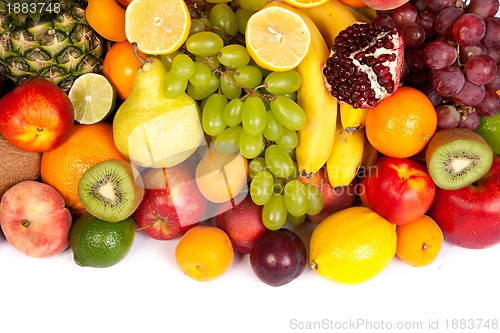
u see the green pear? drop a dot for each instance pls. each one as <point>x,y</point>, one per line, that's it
<point>152,130</point>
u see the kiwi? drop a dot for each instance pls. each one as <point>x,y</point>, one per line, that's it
<point>111,190</point>
<point>16,165</point>
<point>457,157</point>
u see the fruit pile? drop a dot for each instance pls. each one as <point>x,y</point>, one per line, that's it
<point>225,125</point>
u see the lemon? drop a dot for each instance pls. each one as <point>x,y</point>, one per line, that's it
<point>99,243</point>
<point>352,245</point>
<point>277,38</point>
<point>489,129</point>
<point>93,98</point>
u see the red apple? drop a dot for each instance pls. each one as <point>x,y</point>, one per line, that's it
<point>36,115</point>
<point>335,199</point>
<point>384,4</point>
<point>242,223</point>
<point>399,189</point>
<point>470,217</point>
<point>172,203</point>
<point>34,219</point>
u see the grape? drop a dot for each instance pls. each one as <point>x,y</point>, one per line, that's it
<point>288,113</point>
<point>447,116</point>
<point>251,145</point>
<point>281,83</point>
<point>490,104</point>
<point>227,86</point>
<point>253,5</point>
<point>413,34</point>
<point>232,112</point>
<point>279,185</point>
<point>448,81</point>
<point>445,20</point>
<point>274,212</point>
<point>173,86</point>
<point>204,43</point>
<point>234,55</point>
<point>223,17</point>
<point>494,54</point>
<point>242,15</point>
<point>439,5</point>
<point>227,142</point>
<point>467,52</point>
<point>249,76</point>
<point>431,94</point>
<point>288,139</point>
<point>415,60</point>
<point>439,54</point>
<point>480,69</point>
<point>315,200</point>
<point>296,198</point>
<point>385,20</point>
<point>182,66</point>
<point>470,94</point>
<point>273,129</point>
<point>256,165</point>
<point>278,257</point>
<point>201,92</point>
<point>426,19</point>
<point>278,161</point>
<point>261,187</point>
<point>211,117</point>
<point>421,5</point>
<point>253,115</point>
<point>469,29</point>
<point>199,25</point>
<point>495,83</point>
<point>483,8</point>
<point>490,39</point>
<point>404,15</point>
<point>295,220</point>
<point>468,118</point>
<point>202,74</point>
<point>167,59</point>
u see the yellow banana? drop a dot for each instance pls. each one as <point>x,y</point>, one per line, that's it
<point>370,155</point>
<point>359,15</point>
<point>330,18</point>
<point>321,109</point>
<point>368,12</point>
<point>343,164</point>
<point>352,118</point>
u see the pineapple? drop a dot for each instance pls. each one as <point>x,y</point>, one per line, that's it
<point>53,42</point>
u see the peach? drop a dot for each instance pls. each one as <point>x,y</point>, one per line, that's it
<point>384,4</point>
<point>34,219</point>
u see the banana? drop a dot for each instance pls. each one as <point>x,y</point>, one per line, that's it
<point>370,155</point>
<point>331,18</point>
<point>352,118</point>
<point>321,109</point>
<point>343,164</point>
<point>360,16</point>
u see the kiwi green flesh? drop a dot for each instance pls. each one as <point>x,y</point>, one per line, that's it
<point>109,191</point>
<point>459,163</point>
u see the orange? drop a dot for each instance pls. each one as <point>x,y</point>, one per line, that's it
<point>402,124</point>
<point>204,253</point>
<point>354,3</point>
<point>119,67</point>
<point>419,242</point>
<point>63,166</point>
<point>107,18</point>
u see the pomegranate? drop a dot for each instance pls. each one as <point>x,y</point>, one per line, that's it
<point>365,64</point>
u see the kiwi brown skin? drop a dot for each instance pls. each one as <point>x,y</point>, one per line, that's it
<point>447,136</point>
<point>132,181</point>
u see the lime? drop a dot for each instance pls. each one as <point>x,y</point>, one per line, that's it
<point>99,243</point>
<point>489,129</point>
<point>93,98</point>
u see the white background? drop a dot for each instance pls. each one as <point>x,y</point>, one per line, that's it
<point>146,292</point>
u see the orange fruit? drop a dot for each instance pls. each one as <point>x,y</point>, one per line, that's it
<point>63,166</point>
<point>402,124</point>
<point>119,67</point>
<point>419,242</point>
<point>204,253</point>
<point>107,18</point>
<point>354,3</point>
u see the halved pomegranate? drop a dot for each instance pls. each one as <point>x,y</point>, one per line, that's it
<point>365,64</point>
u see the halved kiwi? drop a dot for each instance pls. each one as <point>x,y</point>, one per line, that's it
<point>457,157</point>
<point>111,190</point>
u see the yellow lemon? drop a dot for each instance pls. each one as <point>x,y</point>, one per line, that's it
<point>352,245</point>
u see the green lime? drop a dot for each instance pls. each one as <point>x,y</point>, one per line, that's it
<point>489,129</point>
<point>99,243</point>
<point>93,98</point>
